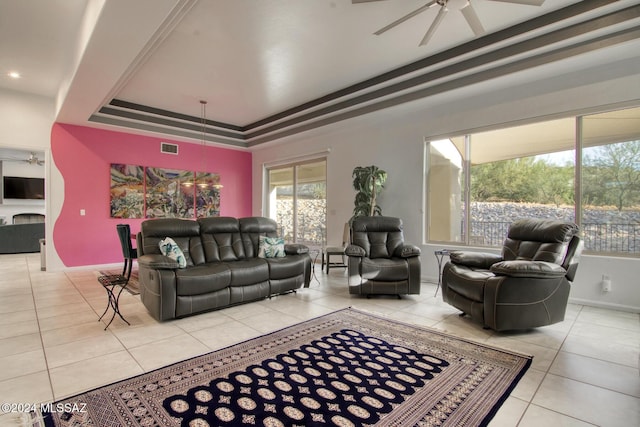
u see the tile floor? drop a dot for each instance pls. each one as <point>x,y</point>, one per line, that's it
<point>584,371</point>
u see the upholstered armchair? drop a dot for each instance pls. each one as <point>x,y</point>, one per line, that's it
<point>379,262</point>
<point>526,286</point>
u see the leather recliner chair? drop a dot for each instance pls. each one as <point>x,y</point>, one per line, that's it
<point>379,262</point>
<point>525,287</point>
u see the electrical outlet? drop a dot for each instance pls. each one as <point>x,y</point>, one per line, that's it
<point>606,283</point>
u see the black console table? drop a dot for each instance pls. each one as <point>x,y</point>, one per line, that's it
<point>109,283</point>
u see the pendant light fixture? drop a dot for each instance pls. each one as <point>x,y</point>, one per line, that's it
<point>203,155</point>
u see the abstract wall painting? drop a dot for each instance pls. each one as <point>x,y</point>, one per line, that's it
<point>207,194</point>
<point>127,191</point>
<point>150,192</point>
<point>170,193</point>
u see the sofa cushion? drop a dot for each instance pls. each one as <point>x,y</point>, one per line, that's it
<point>289,266</point>
<point>378,236</point>
<point>271,247</point>
<point>248,271</point>
<point>221,239</point>
<point>202,279</point>
<point>384,269</point>
<point>170,249</point>
<point>186,234</point>
<point>468,281</point>
<point>251,229</point>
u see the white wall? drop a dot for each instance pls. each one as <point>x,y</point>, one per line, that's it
<point>393,140</point>
<point>25,123</point>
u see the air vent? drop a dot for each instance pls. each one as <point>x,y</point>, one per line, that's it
<point>167,148</point>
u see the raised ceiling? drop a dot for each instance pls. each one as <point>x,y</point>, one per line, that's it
<point>269,69</point>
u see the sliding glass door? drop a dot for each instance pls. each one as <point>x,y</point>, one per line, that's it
<point>297,201</point>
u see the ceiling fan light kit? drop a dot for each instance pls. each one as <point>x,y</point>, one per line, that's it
<point>464,6</point>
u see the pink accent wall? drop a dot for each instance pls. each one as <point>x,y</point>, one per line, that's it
<point>84,155</point>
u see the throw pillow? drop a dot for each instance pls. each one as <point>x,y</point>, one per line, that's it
<point>271,247</point>
<point>169,248</point>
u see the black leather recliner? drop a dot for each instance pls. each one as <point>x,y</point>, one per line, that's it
<point>379,260</point>
<point>525,287</point>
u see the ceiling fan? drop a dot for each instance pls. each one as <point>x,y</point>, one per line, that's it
<point>463,6</point>
<point>32,159</point>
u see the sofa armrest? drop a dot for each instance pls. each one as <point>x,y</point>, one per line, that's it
<point>355,250</point>
<point>157,261</point>
<point>295,249</point>
<point>407,251</point>
<point>532,269</point>
<point>474,259</point>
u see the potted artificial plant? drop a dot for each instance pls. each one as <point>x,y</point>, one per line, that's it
<point>368,181</point>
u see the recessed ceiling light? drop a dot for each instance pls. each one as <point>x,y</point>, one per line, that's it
<point>14,74</point>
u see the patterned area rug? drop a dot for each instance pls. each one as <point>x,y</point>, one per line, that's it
<point>347,368</point>
<point>133,287</point>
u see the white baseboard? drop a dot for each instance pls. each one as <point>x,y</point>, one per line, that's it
<point>600,304</point>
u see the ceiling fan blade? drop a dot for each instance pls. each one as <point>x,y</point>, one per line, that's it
<point>471,16</point>
<point>523,2</point>
<point>406,17</point>
<point>434,26</point>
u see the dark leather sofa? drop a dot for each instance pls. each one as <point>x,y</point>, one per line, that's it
<point>527,286</point>
<point>21,238</point>
<point>223,267</point>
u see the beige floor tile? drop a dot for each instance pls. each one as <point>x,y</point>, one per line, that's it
<point>13,303</point>
<point>464,327</point>
<point>160,353</point>
<point>30,388</point>
<point>73,333</point>
<point>269,321</point>
<point>413,319</point>
<point>545,336</point>
<point>603,349</point>
<point>88,348</point>
<point>620,378</point>
<point>20,344</point>
<point>226,334</point>
<point>144,334</point>
<point>68,319</point>
<point>299,309</point>
<point>15,288</point>
<point>245,310</point>
<point>201,321</point>
<point>434,312</point>
<point>528,385</point>
<point>602,317</point>
<point>16,365</point>
<point>535,416</point>
<point>542,356</point>
<point>19,328</point>
<point>63,309</point>
<point>17,316</point>
<point>510,413</point>
<point>81,376</point>
<point>588,403</point>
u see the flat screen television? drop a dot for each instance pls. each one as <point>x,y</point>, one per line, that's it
<point>16,187</point>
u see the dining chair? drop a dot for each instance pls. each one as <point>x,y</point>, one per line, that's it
<point>128,251</point>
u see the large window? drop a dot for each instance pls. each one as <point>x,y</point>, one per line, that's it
<point>478,184</point>
<point>297,200</point>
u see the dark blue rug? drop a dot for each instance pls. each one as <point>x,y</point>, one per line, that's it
<point>347,368</point>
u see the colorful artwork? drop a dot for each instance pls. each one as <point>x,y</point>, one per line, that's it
<point>127,191</point>
<point>139,192</point>
<point>170,193</point>
<point>207,194</point>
